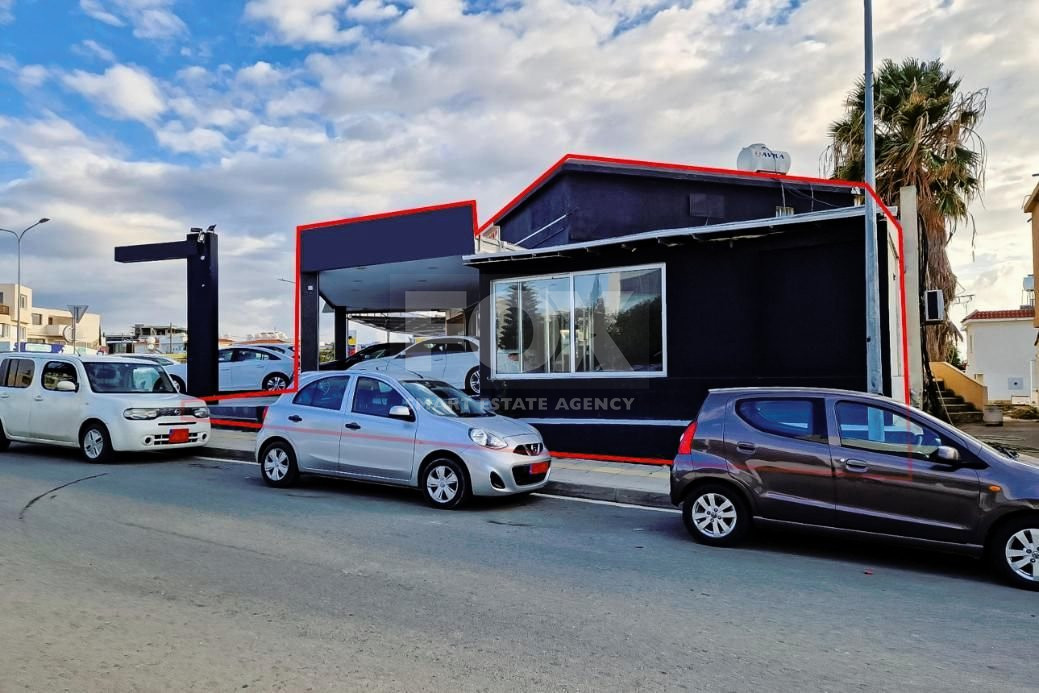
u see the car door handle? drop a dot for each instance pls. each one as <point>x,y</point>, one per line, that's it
<point>353,426</point>
<point>296,418</point>
<point>38,398</point>
<point>746,448</point>
<point>856,466</point>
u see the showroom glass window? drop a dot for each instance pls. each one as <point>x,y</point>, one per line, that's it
<point>586,323</point>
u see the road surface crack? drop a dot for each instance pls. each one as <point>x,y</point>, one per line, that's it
<point>25,508</point>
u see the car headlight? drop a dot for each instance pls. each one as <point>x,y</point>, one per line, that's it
<point>487,440</point>
<point>141,414</point>
<point>200,412</point>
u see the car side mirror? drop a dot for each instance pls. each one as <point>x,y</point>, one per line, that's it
<point>401,412</point>
<point>66,386</point>
<point>947,454</point>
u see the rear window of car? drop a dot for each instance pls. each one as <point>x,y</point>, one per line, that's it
<point>17,373</point>
<point>802,419</point>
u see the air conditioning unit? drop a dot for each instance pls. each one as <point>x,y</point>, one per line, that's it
<point>934,306</point>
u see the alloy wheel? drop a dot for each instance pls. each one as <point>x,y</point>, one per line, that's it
<point>714,515</point>
<point>276,382</point>
<point>93,444</point>
<point>1022,553</point>
<point>474,382</point>
<point>276,464</point>
<point>442,484</point>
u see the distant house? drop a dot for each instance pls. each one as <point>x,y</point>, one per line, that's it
<point>1001,352</point>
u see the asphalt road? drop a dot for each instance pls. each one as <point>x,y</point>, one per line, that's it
<point>189,574</point>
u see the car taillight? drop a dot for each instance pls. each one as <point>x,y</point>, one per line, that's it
<point>685,444</point>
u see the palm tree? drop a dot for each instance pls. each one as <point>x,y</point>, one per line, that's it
<point>925,136</point>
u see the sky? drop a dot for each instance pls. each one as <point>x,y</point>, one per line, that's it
<point>130,121</point>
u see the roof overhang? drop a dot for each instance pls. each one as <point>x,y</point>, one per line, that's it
<point>436,283</point>
<point>736,229</point>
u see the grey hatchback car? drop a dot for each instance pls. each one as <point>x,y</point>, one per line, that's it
<point>856,463</point>
<point>399,431</point>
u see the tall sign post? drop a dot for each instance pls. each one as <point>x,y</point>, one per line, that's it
<point>200,250</point>
<point>874,360</point>
<point>78,311</point>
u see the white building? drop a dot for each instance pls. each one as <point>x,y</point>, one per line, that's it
<point>149,339</point>
<point>1001,352</point>
<point>49,328</point>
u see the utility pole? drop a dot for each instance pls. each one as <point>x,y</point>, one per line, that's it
<point>874,366</point>
<point>19,235</point>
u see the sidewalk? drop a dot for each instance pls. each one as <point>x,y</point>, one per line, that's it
<point>638,484</point>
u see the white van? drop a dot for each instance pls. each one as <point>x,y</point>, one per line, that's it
<point>100,404</point>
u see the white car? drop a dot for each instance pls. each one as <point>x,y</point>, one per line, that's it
<point>245,368</point>
<point>101,405</point>
<point>454,360</point>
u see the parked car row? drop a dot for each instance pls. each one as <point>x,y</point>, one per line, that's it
<point>845,462</point>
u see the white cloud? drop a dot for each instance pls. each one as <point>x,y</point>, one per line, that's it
<point>122,91</point>
<point>6,11</point>
<point>33,75</point>
<point>261,73</point>
<point>371,11</point>
<point>150,19</point>
<point>304,21</point>
<point>91,48</point>
<point>199,140</point>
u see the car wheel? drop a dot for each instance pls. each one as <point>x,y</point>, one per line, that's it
<point>715,514</point>
<point>472,381</point>
<point>278,465</point>
<point>275,381</point>
<point>178,384</point>
<point>95,444</point>
<point>4,441</point>
<point>1014,552</point>
<point>444,484</point>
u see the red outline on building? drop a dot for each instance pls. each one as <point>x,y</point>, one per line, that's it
<point>515,201</point>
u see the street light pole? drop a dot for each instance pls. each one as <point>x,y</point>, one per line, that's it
<point>19,235</point>
<point>874,366</point>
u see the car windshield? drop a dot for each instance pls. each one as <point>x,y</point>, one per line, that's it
<point>127,377</point>
<point>443,400</point>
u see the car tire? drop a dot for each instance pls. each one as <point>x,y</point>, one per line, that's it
<point>179,385</point>
<point>1014,552</point>
<point>716,515</point>
<point>444,484</point>
<point>5,442</point>
<point>278,465</point>
<point>472,381</point>
<point>275,381</point>
<point>95,445</point>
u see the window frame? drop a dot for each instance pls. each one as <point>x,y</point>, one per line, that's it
<point>946,440</point>
<point>573,372</point>
<point>406,401</point>
<point>10,363</point>
<point>342,401</point>
<point>818,417</point>
<point>48,364</point>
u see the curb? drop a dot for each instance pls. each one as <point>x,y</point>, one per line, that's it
<point>559,488</point>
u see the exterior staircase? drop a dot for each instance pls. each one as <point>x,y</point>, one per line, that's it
<point>960,410</point>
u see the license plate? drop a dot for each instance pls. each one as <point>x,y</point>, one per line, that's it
<point>179,435</point>
<point>539,468</point>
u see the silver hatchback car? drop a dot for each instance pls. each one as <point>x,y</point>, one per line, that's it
<point>405,432</point>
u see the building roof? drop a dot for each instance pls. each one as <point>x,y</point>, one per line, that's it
<point>736,229</point>
<point>584,163</point>
<point>1015,314</point>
